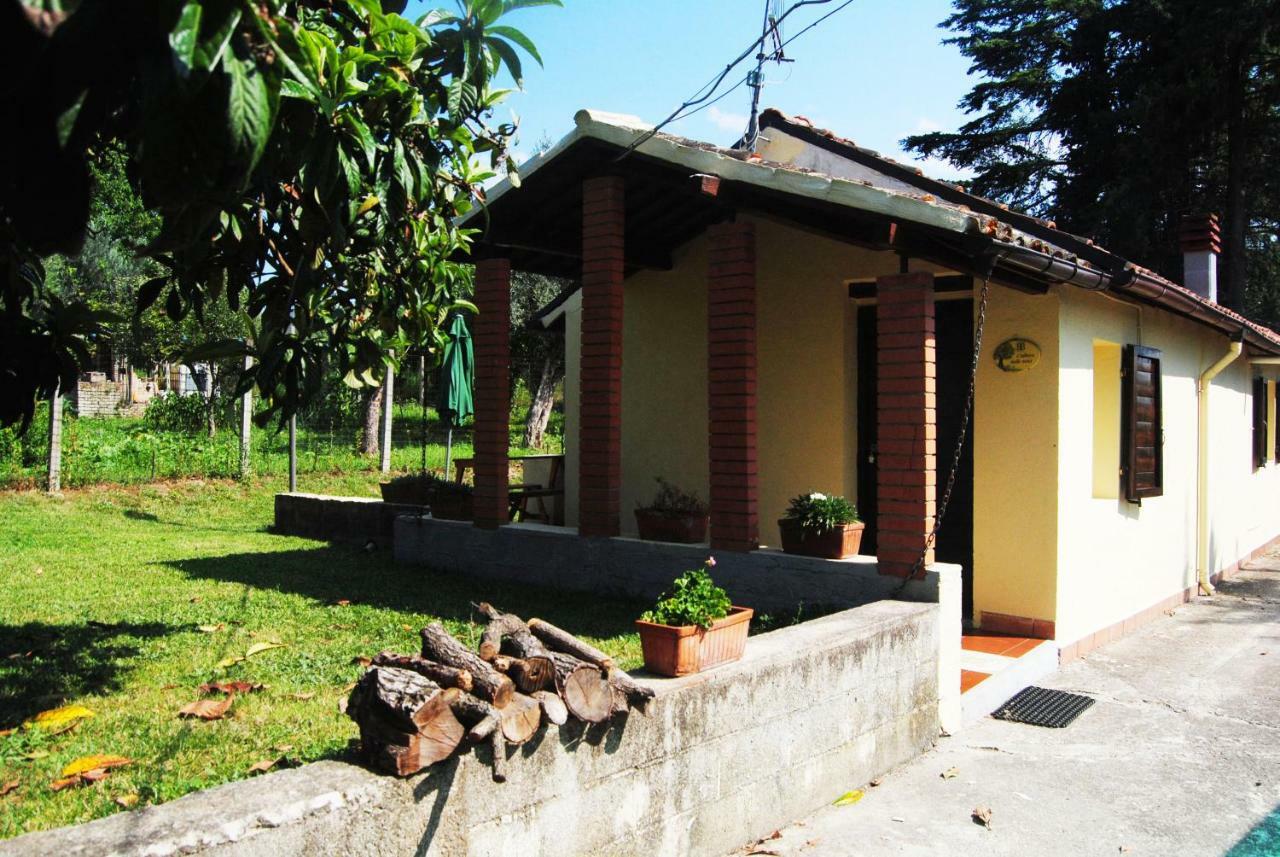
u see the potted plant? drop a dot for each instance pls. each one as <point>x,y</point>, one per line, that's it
<point>821,526</point>
<point>674,515</point>
<point>446,499</point>
<point>693,626</point>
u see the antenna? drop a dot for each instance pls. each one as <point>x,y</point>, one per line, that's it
<point>770,35</point>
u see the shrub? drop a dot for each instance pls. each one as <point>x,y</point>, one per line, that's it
<point>815,511</point>
<point>693,599</point>
<point>174,413</point>
<point>429,481</point>
<point>674,502</point>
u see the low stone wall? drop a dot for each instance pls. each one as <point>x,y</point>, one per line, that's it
<point>720,759</point>
<point>338,519</point>
<point>768,580</point>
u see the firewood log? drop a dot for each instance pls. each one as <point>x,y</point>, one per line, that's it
<point>636,694</point>
<point>499,756</point>
<point>445,676</point>
<point>487,683</point>
<point>507,634</point>
<point>529,675</point>
<point>520,720</point>
<point>562,641</point>
<point>585,690</point>
<point>406,720</point>
<point>553,707</point>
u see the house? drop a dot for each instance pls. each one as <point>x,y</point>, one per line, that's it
<point>752,325</point>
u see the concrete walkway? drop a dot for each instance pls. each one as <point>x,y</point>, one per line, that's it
<point>1180,755</point>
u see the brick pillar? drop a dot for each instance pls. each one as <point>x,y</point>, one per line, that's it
<point>731,387</point>
<point>492,340</point>
<point>600,432</point>
<point>906,419</point>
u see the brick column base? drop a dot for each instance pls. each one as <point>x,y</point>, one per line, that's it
<point>731,387</point>
<point>492,393</point>
<point>906,418</point>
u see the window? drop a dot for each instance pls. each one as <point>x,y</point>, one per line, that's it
<point>1141,426</point>
<point>1263,422</point>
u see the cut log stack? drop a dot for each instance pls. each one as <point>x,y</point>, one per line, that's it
<point>416,710</point>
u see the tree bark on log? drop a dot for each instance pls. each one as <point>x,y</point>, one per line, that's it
<point>585,690</point>
<point>499,747</point>
<point>487,683</point>
<point>562,641</point>
<point>636,694</point>
<point>406,720</point>
<point>553,707</point>
<point>445,676</point>
<point>507,633</point>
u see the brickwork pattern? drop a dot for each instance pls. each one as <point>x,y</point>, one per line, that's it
<point>492,393</point>
<point>906,417</point>
<point>731,350</point>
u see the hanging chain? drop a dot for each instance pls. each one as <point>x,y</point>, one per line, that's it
<point>964,431</point>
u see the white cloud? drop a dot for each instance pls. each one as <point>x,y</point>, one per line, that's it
<point>735,123</point>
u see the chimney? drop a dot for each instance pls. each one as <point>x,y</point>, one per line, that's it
<point>1201,242</point>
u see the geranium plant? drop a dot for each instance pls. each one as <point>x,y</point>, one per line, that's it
<point>816,511</point>
<point>694,599</point>
<point>671,501</point>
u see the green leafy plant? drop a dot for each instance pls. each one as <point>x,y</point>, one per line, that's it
<point>671,501</point>
<point>174,413</point>
<point>432,483</point>
<point>817,511</point>
<point>693,599</point>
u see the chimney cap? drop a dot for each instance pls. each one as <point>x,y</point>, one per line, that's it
<point>1198,233</point>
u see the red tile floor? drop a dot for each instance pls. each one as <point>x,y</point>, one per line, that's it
<point>992,644</point>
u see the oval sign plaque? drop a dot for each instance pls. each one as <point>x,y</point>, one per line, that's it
<point>1017,354</point>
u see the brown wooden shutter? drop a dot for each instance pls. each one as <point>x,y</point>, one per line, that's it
<point>1142,426</point>
<point>1259,422</point>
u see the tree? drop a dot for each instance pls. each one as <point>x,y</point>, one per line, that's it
<point>537,357</point>
<point>307,159</point>
<point>1112,117</point>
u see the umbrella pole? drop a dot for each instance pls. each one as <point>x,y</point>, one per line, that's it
<point>448,450</point>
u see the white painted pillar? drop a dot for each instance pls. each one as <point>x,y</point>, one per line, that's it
<point>55,442</point>
<point>246,424</point>
<point>388,399</point>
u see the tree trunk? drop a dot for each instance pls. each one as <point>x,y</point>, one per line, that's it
<point>370,440</point>
<point>543,397</point>
<point>1233,255</point>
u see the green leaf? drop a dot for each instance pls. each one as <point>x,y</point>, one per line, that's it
<point>848,798</point>
<point>209,50</point>
<point>249,109</point>
<point>362,135</point>
<point>148,293</point>
<point>511,34</point>
<point>186,33</point>
<point>290,88</point>
<point>509,57</point>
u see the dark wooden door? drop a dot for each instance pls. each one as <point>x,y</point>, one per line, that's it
<point>954,327</point>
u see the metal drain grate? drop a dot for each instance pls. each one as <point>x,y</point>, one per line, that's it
<point>1040,706</point>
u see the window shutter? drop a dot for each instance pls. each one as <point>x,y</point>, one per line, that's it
<point>1142,426</point>
<point>1259,422</point>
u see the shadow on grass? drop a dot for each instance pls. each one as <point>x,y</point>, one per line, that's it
<point>328,574</point>
<point>43,665</point>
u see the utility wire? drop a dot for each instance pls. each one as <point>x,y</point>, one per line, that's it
<point>702,95</point>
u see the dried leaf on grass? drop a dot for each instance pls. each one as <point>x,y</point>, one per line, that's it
<point>304,695</point>
<point>362,660</point>
<point>265,765</point>
<point>211,629</point>
<point>12,785</point>
<point>127,801</point>
<point>258,648</point>
<point>90,763</point>
<point>59,719</point>
<point>5,733</point>
<point>207,709</point>
<point>343,602</point>
<point>229,661</point>
<point>849,798</point>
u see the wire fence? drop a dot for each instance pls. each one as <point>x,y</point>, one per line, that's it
<point>134,450</point>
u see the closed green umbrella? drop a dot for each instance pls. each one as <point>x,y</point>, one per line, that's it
<point>457,377</point>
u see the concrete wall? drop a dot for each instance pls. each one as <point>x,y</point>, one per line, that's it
<point>338,519</point>
<point>767,580</point>
<point>1015,463</point>
<point>720,759</point>
<point>1117,558</point>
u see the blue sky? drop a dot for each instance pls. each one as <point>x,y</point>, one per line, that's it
<point>874,72</point>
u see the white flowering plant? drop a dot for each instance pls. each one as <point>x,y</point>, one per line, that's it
<point>816,511</point>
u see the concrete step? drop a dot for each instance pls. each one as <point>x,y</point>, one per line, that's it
<point>1006,676</point>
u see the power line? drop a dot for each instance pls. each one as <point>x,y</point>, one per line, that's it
<point>702,95</point>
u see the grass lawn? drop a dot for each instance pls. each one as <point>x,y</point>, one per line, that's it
<point>125,600</point>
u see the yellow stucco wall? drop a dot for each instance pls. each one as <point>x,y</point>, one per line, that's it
<point>1117,558</point>
<point>572,404</point>
<point>1015,457</point>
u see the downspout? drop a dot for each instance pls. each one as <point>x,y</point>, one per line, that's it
<point>1202,463</point>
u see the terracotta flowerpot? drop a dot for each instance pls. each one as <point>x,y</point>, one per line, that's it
<point>836,543</point>
<point>682,649</point>
<point>450,505</point>
<point>685,529</point>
